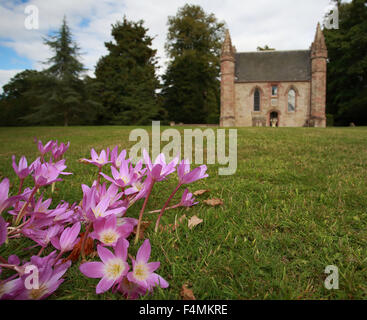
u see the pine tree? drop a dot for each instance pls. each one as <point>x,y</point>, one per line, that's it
<point>64,95</point>
<point>126,77</point>
<point>191,89</point>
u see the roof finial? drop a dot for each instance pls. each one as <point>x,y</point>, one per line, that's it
<point>319,38</point>
<point>227,44</point>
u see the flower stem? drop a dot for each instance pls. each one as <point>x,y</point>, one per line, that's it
<point>168,208</point>
<point>58,256</point>
<point>142,211</point>
<point>99,177</point>
<point>20,186</point>
<point>165,206</point>
<point>40,252</point>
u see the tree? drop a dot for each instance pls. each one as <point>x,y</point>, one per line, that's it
<point>265,48</point>
<point>191,89</point>
<point>347,67</point>
<point>15,102</point>
<point>126,77</point>
<point>64,95</point>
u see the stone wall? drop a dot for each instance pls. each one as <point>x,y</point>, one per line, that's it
<point>244,104</point>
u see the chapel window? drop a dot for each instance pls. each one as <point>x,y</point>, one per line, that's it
<point>291,100</point>
<point>257,100</point>
<point>274,91</point>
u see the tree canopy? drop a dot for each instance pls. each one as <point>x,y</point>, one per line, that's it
<point>191,89</point>
<point>347,67</point>
<point>126,76</point>
<point>63,95</point>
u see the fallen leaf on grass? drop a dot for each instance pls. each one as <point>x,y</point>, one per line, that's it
<point>200,192</point>
<point>88,248</point>
<point>187,293</point>
<point>83,161</point>
<point>144,225</point>
<point>194,221</point>
<point>214,202</point>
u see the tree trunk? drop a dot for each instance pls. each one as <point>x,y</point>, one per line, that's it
<point>65,119</point>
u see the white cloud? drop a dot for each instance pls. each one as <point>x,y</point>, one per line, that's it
<point>283,24</point>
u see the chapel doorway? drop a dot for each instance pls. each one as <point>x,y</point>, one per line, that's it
<point>274,119</point>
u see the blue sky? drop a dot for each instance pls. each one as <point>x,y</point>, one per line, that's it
<point>278,23</point>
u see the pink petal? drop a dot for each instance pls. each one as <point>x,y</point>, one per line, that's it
<point>110,222</point>
<point>157,280</point>
<point>56,243</point>
<point>147,160</point>
<point>152,266</point>
<point>104,285</point>
<point>94,154</point>
<point>156,171</point>
<point>107,177</point>
<point>121,248</point>
<point>143,254</point>
<point>92,269</point>
<point>105,254</point>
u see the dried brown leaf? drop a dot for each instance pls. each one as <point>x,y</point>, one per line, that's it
<point>194,221</point>
<point>187,293</point>
<point>83,161</point>
<point>200,192</point>
<point>214,202</point>
<point>88,248</point>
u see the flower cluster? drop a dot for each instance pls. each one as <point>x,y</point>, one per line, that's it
<point>101,213</point>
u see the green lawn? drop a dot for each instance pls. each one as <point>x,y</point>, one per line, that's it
<point>297,203</point>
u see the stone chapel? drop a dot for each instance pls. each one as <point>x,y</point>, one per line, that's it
<point>274,88</point>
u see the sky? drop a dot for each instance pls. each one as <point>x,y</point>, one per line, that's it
<point>281,24</point>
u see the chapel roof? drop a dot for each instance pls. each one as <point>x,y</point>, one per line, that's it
<point>294,65</point>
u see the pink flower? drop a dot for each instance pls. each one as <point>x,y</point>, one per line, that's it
<point>187,200</point>
<point>68,238</point>
<point>58,151</point>
<point>131,290</point>
<point>107,231</point>
<point>186,176</point>
<point>5,200</point>
<point>99,160</point>
<point>102,209</point>
<point>43,237</point>
<point>112,268</point>
<point>122,177</point>
<point>10,288</point>
<point>159,170</point>
<point>49,279</point>
<point>116,159</point>
<point>22,171</point>
<point>46,148</point>
<point>45,174</point>
<point>143,272</point>
<point>140,190</point>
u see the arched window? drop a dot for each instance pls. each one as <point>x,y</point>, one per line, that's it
<point>257,100</point>
<point>291,100</point>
